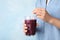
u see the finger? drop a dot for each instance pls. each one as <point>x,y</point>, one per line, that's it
<point>42,9</point>
<point>25,31</point>
<point>36,10</point>
<point>24,25</point>
<point>38,14</point>
<point>25,28</point>
<point>41,17</point>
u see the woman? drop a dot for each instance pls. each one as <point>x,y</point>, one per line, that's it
<point>48,13</point>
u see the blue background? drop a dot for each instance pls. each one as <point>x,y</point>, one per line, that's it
<point>12,14</point>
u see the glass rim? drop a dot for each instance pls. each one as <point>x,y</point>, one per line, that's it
<point>30,18</point>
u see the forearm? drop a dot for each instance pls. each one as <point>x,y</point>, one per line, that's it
<point>55,22</point>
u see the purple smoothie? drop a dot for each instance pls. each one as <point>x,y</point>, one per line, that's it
<point>31,25</point>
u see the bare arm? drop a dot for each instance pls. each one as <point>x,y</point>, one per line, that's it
<point>55,22</point>
<point>44,15</point>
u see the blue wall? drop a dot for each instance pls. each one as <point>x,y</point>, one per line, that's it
<point>12,14</point>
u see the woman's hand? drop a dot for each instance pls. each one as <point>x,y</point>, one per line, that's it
<point>42,14</point>
<point>25,27</point>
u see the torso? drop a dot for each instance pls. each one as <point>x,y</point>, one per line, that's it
<point>50,32</point>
